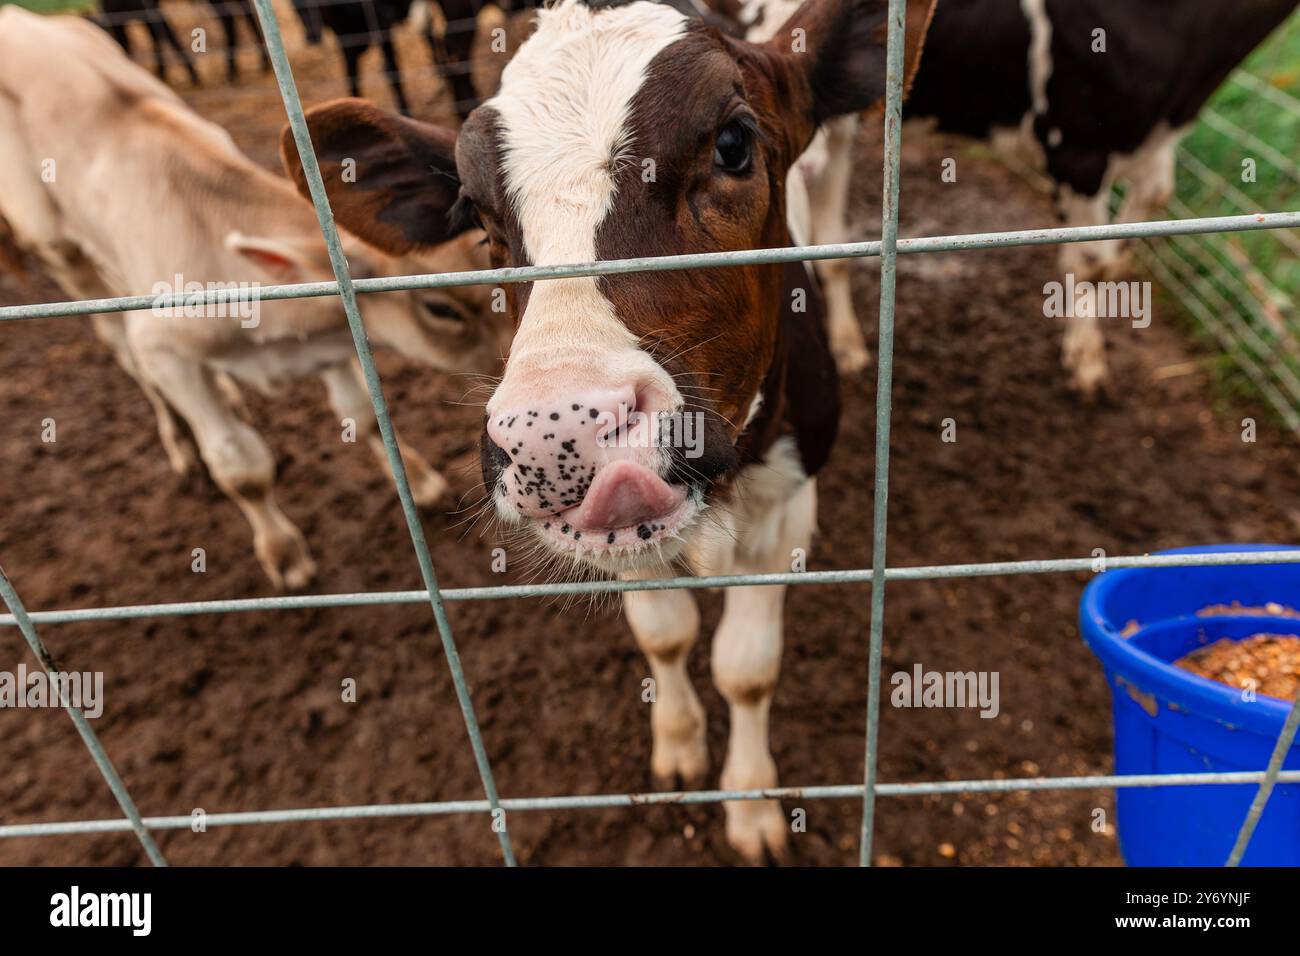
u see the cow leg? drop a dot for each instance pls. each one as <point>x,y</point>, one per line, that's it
<point>394,74</point>
<point>255,28</point>
<point>162,33</point>
<point>227,18</point>
<point>119,32</point>
<point>458,47</point>
<point>829,194</point>
<point>349,399</point>
<point>159,61</point>
<point>237,458</point>
<point>352,50</point>
<point>1150,179</point>
<point>665,625</point>
<point>746,661</point>
<point>1083,351</point>
<point>180,454</point>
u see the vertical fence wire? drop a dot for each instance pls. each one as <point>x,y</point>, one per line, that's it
<point>339,262</point>
<point>88,735</point>
<point>894,67</point>
<point>1280,750</point>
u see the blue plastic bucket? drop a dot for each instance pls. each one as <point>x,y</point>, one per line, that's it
<point>1168,720</point>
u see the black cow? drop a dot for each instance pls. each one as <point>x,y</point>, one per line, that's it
<point>116,14</point>
<point>359,25</point>
<point>230,12</point>
<point>1102,90</point>
<point>452,54</point>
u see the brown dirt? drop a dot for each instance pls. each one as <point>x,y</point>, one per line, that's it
<point>239,712</point>
<point>1269,662</point>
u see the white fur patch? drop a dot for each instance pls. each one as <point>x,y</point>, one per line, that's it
<point>564,105</point>
<point>563,109</point>
<point>749,526</point>
<point>1040,51</point>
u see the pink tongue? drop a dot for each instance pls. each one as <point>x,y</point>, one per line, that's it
<point>622,494</point>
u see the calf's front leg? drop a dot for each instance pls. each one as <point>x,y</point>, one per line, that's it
<point>665,625</point>
<point>112,330</point>
<point>349,398</point>
<point>746,662</point>
<point>237,458</point>
<point>1083,349</point>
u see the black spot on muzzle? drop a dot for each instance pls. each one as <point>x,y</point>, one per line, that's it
<point>699,451</point>
<point>493,460</point>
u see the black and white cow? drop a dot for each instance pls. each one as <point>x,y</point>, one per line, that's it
<point>1095,107</point>
<point>652,420</point>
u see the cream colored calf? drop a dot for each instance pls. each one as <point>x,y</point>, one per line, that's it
<point>117,188</point>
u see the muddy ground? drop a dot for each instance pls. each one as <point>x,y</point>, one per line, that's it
<point>243,711</point>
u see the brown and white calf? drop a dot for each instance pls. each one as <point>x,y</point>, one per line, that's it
<point>115,186</point>
<point>658,419</point>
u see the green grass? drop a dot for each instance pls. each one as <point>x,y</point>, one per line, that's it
<point>1277,63</point>
<point>53,6</point>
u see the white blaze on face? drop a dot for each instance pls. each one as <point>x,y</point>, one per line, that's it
<point>564,105</point>
<point>563,113</point>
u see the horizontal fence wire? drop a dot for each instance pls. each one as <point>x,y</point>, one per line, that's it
<point>852,791</point>
<point>298,602</point>
<point>887,248</point>
<point>702,260</point>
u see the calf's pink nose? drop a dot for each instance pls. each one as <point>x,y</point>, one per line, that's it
<point>556,448</point>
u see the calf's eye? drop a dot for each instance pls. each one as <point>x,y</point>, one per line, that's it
<point>442,310</point>
<point>733,151</point>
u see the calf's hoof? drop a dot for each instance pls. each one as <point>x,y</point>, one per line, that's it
<point>286,561</point>
<point>181,458</point>
<point>758,830</point>
<point>429,489</point>
<point>1090,380</point>
<point>851,359</point>
<point>680,765</point>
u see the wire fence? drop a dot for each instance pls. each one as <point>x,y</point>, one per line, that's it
<point>492,805</point>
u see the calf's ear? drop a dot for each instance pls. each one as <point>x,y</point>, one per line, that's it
<point>838,47</point>
<point>285,260</point>
<point>390,180</point>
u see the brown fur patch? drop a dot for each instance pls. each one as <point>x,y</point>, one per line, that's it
<point>405,178</point>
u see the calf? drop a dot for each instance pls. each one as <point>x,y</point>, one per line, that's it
<point>653,420</point>
<point>113,184</point>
